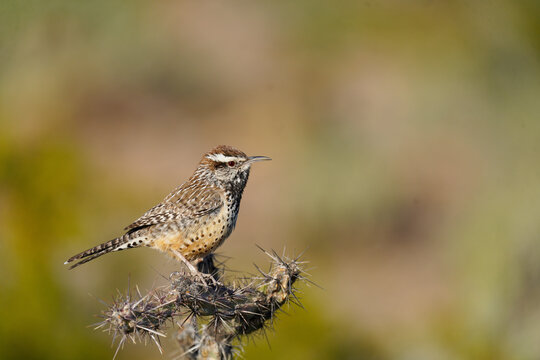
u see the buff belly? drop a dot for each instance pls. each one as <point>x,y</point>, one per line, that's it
<point>195,241</point>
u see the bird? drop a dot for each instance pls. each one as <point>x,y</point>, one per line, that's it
<point>195,218</point>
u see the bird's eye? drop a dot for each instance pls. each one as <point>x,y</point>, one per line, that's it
<point>231,163</point>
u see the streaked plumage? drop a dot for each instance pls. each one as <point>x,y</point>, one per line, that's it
<point>195,218</point>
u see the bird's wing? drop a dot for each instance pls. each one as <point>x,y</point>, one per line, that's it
<point>187,202</point>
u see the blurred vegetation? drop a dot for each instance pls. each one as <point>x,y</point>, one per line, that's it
<point>405,139</point>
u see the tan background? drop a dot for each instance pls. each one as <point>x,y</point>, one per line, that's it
<point>405,138</point>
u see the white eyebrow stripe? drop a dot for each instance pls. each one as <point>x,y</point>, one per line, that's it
<point>222,158</point>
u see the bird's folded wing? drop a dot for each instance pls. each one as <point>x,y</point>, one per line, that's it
<point>186,203</point>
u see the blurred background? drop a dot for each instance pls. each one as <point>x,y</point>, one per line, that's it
<point>405,139</point>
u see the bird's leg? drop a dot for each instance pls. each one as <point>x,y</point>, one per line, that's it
<point>207,268</point>
<point>191,268</point>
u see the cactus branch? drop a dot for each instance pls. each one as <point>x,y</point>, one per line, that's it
<point>210,315</point>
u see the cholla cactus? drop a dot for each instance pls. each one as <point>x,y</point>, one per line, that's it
<point>210,316</point>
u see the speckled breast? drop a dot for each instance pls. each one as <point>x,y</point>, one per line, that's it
<point>201,236</point>
<point>210,233</point>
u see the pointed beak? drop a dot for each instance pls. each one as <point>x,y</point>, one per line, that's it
<point>253,159</point>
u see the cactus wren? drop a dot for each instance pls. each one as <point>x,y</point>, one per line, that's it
<point>195,218</point>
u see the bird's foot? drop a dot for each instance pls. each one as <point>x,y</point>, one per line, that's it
<point>209,279</point>
<point>194,272</point>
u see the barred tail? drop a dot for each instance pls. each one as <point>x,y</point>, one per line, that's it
<point>120,243</point>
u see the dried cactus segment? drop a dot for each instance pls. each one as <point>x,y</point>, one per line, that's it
<point>210,316</point>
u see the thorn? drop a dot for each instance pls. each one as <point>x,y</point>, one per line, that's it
<point>301,254</point>
<point>265,275</point>
<point>297,302</point>
<point>266,337</point>
<point>151,331</point>
<point>156,341</point>
<point>129,288</point>
<point>120,344</point>
<point>98,299</point>
<point>280,259</point>
<point>264,251</point>
<point>311,282</point>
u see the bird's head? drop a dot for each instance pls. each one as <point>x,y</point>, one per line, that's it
<point>229,166</point>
